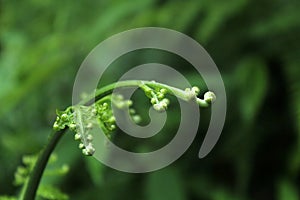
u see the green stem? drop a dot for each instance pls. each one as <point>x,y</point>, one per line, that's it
<point>102,92</point>
<point>36,174</point>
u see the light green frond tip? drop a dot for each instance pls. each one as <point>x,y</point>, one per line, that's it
<point>157,97</point>
<point>83,119</point>
<point>64,119</point>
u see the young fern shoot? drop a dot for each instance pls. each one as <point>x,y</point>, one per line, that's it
<point>82,118</point>
<point>96,110</point>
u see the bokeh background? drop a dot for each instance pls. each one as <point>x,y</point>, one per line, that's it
<point>255,44</point>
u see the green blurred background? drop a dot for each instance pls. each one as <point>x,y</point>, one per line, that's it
<point>255,44</point>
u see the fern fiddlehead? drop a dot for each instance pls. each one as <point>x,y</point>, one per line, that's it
<point>95,110</point>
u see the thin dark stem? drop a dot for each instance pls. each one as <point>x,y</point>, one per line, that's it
<point>36,174</point>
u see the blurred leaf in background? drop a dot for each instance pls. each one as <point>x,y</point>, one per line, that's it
<point>255,44</point>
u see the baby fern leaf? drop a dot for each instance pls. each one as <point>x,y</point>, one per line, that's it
<point>87,115</point>
<point>83,118</point>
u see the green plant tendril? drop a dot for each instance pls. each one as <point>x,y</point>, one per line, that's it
<point>95,110</point>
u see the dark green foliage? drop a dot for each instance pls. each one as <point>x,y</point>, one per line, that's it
<point>255,44</point>
<point>45,190</point>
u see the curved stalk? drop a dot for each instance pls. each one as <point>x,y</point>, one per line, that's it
<point>40,165</point>
<point>102,92</point>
